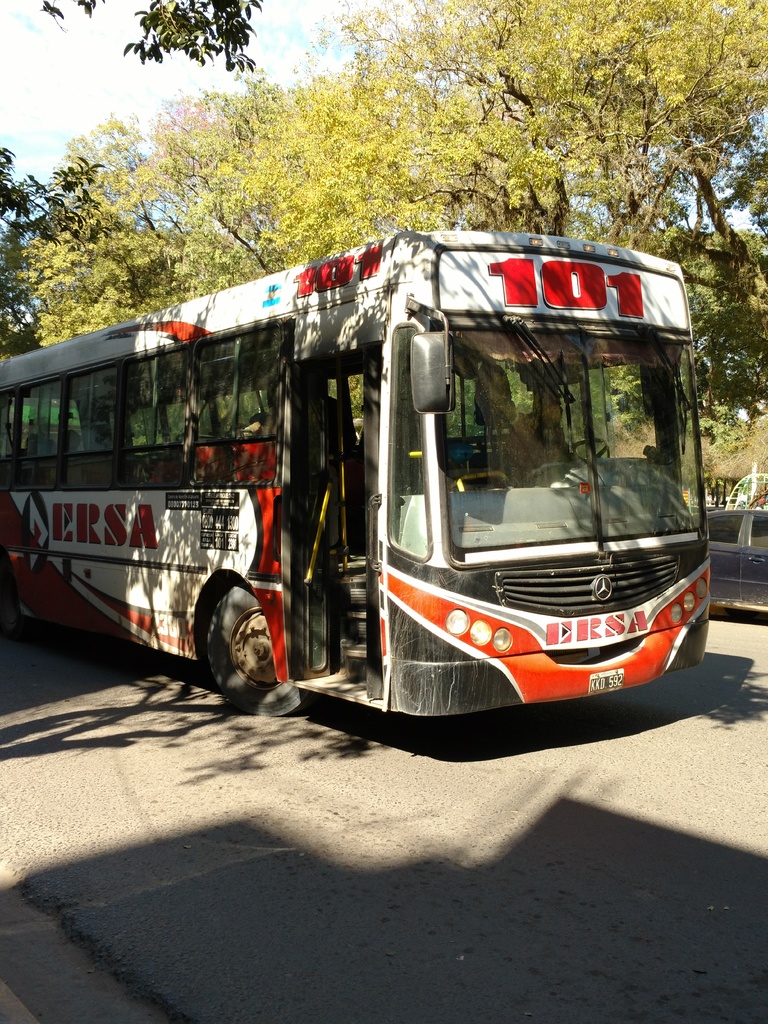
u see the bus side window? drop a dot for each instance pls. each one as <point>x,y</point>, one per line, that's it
<point>212,463</point>
<point>154,420</point>
<point>7,407</point>
<point>236,396</point>
<point>90,429</point>
<point>41,408</point>
<point>255,460</point>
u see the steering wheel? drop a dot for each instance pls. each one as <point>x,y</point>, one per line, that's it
<point>502,480</point>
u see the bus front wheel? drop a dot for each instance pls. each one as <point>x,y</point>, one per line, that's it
<point>240,656</point>
<point>14,624</point>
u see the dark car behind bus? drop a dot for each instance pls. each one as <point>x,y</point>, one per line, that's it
<point>738,541</point>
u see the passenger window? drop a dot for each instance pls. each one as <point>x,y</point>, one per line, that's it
<point>90,429</point>
<point>6,438</point>
<point>38,447</point>
<point>237,402</point>
<point>760,530</point>
<point>154,420</point>
<point>725,529</point>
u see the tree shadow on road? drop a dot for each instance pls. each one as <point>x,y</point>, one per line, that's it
<point>721,689</point>
<point>161,698</point>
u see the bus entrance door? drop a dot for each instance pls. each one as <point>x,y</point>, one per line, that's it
<point>333,477</point>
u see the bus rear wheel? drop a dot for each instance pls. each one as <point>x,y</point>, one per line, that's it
<point>240,657</point>
<point>14,624</point>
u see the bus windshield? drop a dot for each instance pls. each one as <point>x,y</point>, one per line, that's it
<point>569,435</point>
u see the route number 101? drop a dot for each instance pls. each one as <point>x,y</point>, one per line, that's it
<point>568,284</point>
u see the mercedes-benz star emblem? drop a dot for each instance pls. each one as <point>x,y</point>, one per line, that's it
<point>602,588</point>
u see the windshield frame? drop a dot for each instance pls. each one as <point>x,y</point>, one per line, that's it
<point>672,355</point>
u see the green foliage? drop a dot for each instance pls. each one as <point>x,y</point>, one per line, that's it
<point>213,157</point>
<point>202,29</point>
<point>66,204</point>
<point>18,315</point>
<point>130,266</point>
<point>640,124</point>
<point>615,119</point>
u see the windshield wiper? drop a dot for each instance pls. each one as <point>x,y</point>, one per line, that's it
<point>553,378</point>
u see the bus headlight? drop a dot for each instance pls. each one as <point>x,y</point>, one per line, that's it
<point>502,640</point>
<point>457,622</point>
<point>701,587</point>
<point>480,633</point>
<point>689,601</point>
<point>676,612</point>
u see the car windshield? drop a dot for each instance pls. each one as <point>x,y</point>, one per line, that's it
<point>569,436</point>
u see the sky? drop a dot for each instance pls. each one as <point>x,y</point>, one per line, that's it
<point>58,84</point>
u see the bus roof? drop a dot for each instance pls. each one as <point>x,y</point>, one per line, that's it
<point>317,290</point>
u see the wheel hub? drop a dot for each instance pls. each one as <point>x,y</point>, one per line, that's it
<point>251,650</point>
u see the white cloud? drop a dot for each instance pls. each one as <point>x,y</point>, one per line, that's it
<point>55,85</point>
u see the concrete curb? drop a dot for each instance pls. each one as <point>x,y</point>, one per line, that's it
<point>52,974</point>
<point>11,1010</point>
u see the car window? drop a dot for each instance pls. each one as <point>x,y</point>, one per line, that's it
<point>759,530</point>
<point>725,529</point>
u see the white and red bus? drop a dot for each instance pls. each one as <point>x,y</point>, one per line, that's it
<point>435,475</point>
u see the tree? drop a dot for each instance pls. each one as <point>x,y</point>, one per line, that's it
<point>641,124</point>
<point>614,118</point>
<point>731,340</point>
<point>66,204</point>
<point>18,309</point>
<point>132,265</point>
<point>201,29</point>
<point>217,158</point>
<point>343,161</point>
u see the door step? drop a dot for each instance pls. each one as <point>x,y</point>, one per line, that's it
<point>340,685</point>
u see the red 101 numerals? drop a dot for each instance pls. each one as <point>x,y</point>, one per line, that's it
<point>338,271</point>
<point>568,284</point>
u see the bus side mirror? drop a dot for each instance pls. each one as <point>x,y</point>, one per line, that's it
<point>432,373</point>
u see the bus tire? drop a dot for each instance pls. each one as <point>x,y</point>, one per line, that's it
<point>14,624</point>
<point>240,657</point>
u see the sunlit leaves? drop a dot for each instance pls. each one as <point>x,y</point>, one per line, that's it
<point>18,320</point>
<point>560,115</point>
<point>130,266</point>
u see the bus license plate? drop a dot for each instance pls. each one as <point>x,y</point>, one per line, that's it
<point>601,682</point>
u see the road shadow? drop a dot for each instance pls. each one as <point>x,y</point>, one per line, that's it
<point>589,916</point>
<point>720,688</point>
<point>163,698</point>
<point>120,659</point>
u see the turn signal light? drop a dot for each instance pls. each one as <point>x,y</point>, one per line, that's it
<point>457,622</point>
<point>481,632</point>
<point>502,640</point>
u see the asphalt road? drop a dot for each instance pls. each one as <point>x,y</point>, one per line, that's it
<point>598,860</point>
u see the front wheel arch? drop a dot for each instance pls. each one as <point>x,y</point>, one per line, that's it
<point>14,623</point>
<point>240,657</point>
